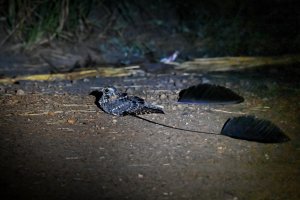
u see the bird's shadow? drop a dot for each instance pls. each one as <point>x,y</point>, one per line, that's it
<point>98,95</point>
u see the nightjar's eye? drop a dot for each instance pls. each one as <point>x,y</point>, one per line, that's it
<point>106,90</point>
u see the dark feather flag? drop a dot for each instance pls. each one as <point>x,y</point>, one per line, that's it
<point>253,129</point>
<point>207,93</point>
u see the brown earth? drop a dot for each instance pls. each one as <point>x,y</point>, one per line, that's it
<point>61,146</point>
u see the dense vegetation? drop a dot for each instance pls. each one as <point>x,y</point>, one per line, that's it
<point>212,27</point>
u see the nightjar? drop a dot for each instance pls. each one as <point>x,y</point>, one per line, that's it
<point>111,101</point>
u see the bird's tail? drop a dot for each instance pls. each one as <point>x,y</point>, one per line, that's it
<point>150,108</point>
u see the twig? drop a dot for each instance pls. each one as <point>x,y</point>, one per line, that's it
<point>225,111</point>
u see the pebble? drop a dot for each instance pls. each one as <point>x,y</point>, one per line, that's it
<point>267,156</point>
<point>130,90</point>
<point>171,80</point>
<point>20,92</point>
<point>2,89</point>
<point>205,80</point>
<point>140,176</point>
<point>179,107</point>
<point>163,96</point>
<point>50,113</point>
<point>71,121</point>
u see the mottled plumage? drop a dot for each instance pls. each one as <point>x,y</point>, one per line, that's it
<point>113,102</point>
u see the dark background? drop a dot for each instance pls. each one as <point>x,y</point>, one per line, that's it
<point>206,28</point>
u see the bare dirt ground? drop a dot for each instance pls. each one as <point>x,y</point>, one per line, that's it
<point>56,144</point>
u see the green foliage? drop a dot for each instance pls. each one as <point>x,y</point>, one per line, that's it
<point>221,28</point>
<point>39,20</point>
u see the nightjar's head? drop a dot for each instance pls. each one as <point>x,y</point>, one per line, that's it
<point>110,92</point>
<point>105,95</point>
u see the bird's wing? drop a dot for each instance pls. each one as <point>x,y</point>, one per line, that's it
<point>141,107</point>
<point>124,106</point>
<point>149,108</point>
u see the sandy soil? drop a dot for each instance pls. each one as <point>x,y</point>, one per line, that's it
<point>61,146</point>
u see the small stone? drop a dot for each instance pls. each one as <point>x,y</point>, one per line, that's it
<point>2,89</point>
<point>71,121</point>
<point>130,90</point>
<point>163,96</point>
<point>20,92</point>
<point>140,176</point>
<point>205,80</point>
<point>50,113</point>
<point>171,81</point>
<point>267,156</point>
